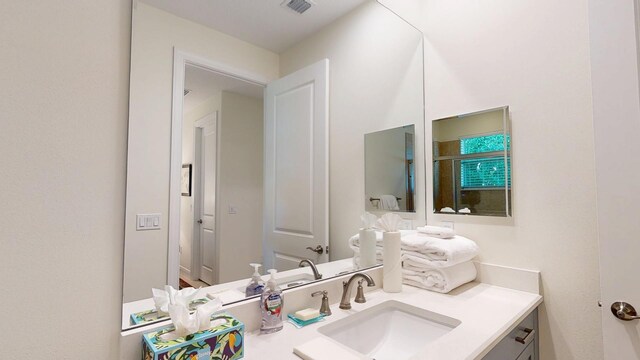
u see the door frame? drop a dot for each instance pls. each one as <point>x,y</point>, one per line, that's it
<point>196,240</point>
<point>180,60</point>
<point>614,30</point>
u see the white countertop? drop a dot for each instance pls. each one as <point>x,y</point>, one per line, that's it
<point>487,313</point>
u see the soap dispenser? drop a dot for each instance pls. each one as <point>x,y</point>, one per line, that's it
<point>271,303</point>
<point>256,285</point>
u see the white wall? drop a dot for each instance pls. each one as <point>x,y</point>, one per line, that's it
<point>534,57</point>
<point>188,157</point>
<point>63,106</point>
<point>454,128</point>
<point>155,34</point>
<point>375,83</point>
<point>241,185</point>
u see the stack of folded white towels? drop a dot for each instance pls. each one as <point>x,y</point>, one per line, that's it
<point>433,258</point>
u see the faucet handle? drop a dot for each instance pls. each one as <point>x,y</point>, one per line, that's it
<point>324,308</point>
<point>360,294</point>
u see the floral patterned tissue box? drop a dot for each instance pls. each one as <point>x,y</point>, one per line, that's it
<point>224,341</point>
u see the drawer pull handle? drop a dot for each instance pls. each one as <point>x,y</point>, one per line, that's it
<point>523,340</point>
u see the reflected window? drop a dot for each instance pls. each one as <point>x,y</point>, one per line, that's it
<point>487,172</point>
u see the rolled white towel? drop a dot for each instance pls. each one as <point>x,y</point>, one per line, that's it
<point>437,231</point>
<point>440,280</point>
<point>431,251</point>
<point>356,260</point>
<point>434,252</point>
<point>379,252</point>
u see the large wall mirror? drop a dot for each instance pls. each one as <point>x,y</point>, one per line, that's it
<point>246,139</point>
<point>472,164</point>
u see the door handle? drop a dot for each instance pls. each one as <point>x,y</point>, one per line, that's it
<point>199,221</point>
<point>624,311</point>
<point>318,249</point>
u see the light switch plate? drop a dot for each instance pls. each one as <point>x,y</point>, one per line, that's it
<point>233,209</point>
<point>147,222</point>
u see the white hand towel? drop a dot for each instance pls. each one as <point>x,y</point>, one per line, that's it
<point>440,280</point>
<point>436,252</point>
<point>437,231</point>
<point>389,202</point>
<point>432,252</point>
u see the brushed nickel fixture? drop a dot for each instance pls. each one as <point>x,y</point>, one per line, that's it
<point>324,307</point>
<point>345,302</point>
<point>316,273</point>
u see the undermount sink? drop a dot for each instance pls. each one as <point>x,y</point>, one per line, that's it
<point>294,280</point>
<point>290,281</point>
<point>390,330</point>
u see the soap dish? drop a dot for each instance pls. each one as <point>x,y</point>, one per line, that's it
<point>301,323</point>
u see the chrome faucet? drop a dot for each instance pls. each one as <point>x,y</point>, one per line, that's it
<point>316,274</point>
<point>345,303</point>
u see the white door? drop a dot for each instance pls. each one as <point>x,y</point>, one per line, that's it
<point>296,168</point>
<point>616,112</point>
<point>205,201</point>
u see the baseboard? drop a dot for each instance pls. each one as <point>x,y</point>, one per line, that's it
<point>184,272</point>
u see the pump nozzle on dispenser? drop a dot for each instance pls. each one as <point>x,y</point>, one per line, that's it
<point>272,284</point>
<point>256,285</point>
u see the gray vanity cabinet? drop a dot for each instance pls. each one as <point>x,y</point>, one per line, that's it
<point>520,344</point>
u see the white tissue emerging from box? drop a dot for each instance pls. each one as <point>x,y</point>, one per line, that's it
<point>368,220</point>
<point>389,222</point>
<point>176,303</point>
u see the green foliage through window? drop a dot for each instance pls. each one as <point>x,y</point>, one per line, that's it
<point>484,172</point>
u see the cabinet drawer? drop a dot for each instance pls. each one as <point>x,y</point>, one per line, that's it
<point>528,353</point>
<point>510,347</point>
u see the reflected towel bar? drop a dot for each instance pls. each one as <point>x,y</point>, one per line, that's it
<point>372,199</point>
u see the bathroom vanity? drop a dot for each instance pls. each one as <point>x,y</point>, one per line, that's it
<point>485,319</point>
<point>490,318</point>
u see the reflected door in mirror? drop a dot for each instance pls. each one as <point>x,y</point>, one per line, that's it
<point>296,168</point>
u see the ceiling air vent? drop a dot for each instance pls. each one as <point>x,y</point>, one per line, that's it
<point>299,6</point>
<point>186,92</point>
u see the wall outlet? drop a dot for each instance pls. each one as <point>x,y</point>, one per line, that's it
<point>405,224</point>
<point>447,224</point>
<point>147,222</point>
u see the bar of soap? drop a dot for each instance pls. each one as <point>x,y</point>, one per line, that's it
<point>307,314</point>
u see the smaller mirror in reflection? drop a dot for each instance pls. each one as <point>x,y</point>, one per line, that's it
<point>472,164</point>
<point>390,170</point>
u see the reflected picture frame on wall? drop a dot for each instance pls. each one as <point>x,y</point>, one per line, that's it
<point>185,184</point>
